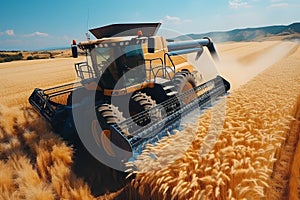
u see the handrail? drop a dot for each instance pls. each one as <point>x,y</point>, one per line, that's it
<point>166,54</point>
<point>151,68</point>
<point>81,72</point>
<point>163,67</point>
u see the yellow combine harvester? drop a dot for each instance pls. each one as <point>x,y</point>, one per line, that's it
<point>135,87</point>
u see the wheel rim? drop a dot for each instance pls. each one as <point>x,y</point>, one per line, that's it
<point>102,138</point>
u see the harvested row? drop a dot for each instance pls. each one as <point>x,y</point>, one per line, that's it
<point>237,162</point>
<point>18,79</point>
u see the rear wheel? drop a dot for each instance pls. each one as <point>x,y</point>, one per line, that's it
<point>183,82</point>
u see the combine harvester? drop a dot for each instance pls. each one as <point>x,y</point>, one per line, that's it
<point>134,88</point>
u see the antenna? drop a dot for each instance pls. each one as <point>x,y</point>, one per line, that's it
<point>87,36</point>
<point>88,19</point>
<point>87,25</point>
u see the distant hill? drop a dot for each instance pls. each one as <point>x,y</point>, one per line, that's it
<point>8,56</point>
<point>280,32</point>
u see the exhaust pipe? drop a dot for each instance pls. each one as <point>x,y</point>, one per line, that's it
<point>74,49</point>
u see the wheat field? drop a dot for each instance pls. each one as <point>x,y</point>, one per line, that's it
<point>249,159</point>
<point>253,156</point>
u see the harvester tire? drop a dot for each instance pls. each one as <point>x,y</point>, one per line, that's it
<point>107,115</point>
<point>146,102</point>
<point>183,82</point>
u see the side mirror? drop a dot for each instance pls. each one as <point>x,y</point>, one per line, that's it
<point>151,45</point>
<point>74,49</point>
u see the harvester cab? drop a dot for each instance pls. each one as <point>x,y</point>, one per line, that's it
<point>118,60</point>
<point>109,64</point>
<point>139,86</point>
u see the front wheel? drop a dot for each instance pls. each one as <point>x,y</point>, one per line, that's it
<point>142,103</point>
<point>108,115</point>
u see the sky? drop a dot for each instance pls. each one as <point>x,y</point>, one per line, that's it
<point>36,24</point>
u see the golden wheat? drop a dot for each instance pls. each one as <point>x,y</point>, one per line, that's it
<point>35,163</point>
<point>241,161</point>
<point>191,164</point>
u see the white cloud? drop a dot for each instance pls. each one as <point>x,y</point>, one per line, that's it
<point>235,4</point>
<point>278,5</point>
<point>37,33</point>
<point>40,34</point>
<point>10,32</point>
<point>275,1</point>
<point>174,20</point>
